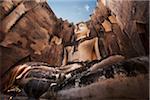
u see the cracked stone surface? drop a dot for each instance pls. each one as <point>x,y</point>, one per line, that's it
<point>31,32</point>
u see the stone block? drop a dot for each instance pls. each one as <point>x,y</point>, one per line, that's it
<point>107,26</point>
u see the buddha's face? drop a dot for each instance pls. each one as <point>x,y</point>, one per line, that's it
<point>81,29</point>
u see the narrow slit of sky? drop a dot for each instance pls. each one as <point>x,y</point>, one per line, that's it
<point>73,10</point>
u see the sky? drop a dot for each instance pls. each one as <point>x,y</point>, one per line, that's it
<point>73,10</point>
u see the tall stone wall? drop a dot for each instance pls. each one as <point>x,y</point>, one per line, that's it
<point>133,18</point>
<point>27,28</point>
<point>124,24</point>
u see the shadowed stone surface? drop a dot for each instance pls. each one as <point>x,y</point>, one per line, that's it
<point>122,26</point>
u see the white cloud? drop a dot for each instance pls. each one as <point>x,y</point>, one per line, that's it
<point>87,7</point>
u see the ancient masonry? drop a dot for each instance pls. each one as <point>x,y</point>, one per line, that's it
<point>28,28</point>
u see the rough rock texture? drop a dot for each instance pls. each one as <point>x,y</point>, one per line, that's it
<point>120,26</point>
<point>132,17</point>
<point>66,31</point>
<point>8,57</point>
<point>129,21</point>
<point>50,55</point>
<point>27,28</point>
<point>119,88</point>
<point>129,81</point>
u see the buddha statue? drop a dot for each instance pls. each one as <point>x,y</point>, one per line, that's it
<point>84,48</point>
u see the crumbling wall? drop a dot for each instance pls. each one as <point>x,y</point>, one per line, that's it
<point>27,28</point>
<point>127,21</point>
